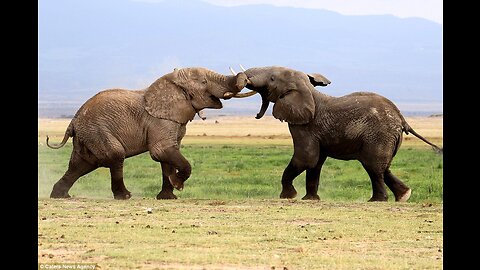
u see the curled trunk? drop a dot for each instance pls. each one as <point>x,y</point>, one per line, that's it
<point>231,84</point>
<point>264,107</point>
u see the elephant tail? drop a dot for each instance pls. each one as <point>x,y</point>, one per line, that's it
<point>407,129</point>
<point>68,134</point>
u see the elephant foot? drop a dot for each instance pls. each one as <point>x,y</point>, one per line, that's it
<point>166,195</point>
<point>59,191</point>
<point>288,193</point>
<point>311,197</point>
<point>405,196</point>
<point>378,199</point>
<point>58,195</point>
<point>176,181</point>
<point>125,195</point>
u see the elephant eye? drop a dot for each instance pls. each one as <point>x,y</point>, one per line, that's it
<point>272,78</point>
<point>204,81</point>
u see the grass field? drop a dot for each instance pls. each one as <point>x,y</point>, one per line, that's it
<point>228,216</point>
<point>240,234</point>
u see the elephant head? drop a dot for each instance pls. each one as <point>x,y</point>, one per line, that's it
<point>179,95</point>
<point>289,89</point>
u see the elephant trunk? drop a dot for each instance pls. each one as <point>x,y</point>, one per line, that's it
<point>242,81</point>
<point>264,107</point>
<point>256,77</point>
<point>237,82</point>
<point>231,84</point>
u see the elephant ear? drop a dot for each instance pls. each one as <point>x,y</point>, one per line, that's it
<point>164,99</point>
<point>295,106</point>
<point>318,79</point>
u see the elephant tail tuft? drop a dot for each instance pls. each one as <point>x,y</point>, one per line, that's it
<point>68,134</point>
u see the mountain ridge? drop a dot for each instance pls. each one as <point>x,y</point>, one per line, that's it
<point>88,46</point>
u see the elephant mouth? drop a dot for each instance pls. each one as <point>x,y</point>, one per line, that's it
<point>217,104</point>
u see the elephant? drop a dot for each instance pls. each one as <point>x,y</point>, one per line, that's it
<point>361,126</point>
<point>116,124</point>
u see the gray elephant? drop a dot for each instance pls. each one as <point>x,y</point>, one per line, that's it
<point>116,124</point>
<point>360,126</point>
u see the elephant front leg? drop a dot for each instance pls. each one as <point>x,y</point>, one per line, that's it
<point>313,180</point>
<point>167,188</point>
<point>174,158</point>
<point>289,174</point>
<point>305,156</point>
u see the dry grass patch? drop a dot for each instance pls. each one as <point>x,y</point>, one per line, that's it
<point>248,130</point>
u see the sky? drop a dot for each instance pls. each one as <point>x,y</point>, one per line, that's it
<point>427,9</point>
<point>359,54</point>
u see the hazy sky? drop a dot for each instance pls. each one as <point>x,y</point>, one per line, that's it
<point>427,9</point>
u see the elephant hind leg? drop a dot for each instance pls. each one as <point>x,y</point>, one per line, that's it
<point>401,191</point>
<point>119,190</point>
<point>77,167</point>
<point>376,174</point>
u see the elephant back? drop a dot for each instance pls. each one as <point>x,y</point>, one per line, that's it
<point>113,111</point>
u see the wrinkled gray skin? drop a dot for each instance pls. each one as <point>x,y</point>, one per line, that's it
<point>116,124</point>
<point>360,126</point>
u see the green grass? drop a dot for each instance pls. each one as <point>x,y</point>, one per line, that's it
<point>229,215</point>
<point>240,234</point>
<point>246,171</point>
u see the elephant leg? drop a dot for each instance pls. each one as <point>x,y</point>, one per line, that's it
<point>292,171</point>
<point>379,193</point>
<point>173,157</point>
<point>306,151</point>
<point>119,190</point>
<point>401,191</point>
<point>313,179</point>
<point>167,189</point>
<point>77,167</point>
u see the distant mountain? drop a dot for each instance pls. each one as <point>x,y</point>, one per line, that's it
<point>85,46</point>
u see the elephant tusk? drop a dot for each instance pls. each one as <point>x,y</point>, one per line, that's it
<point>232,71</point>
<point>201,115</point>
<point>244,95</point>
<point>243,69</point>
<point>228,95</point>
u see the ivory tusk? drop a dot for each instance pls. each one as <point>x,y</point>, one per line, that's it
<point>228,95</point>
<point>233,72</point>
<point>243,69</point>
<point>201,115</point>
<point>244,95</point>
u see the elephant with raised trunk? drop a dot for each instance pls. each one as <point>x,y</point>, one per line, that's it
<point>116,124</point>
<point>360,126</point>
